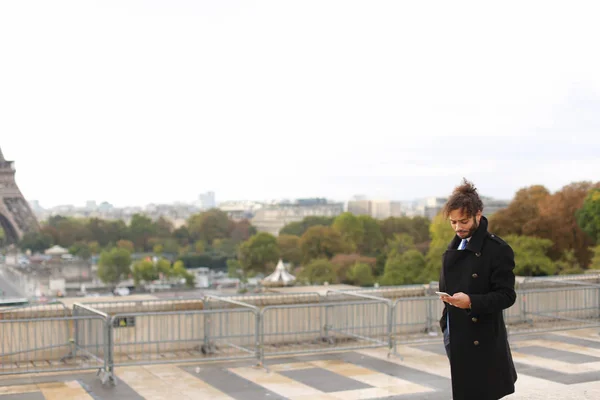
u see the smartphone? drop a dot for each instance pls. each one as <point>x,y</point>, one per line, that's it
<point>442,294</point>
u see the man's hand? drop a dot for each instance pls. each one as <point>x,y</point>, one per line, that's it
<point>459,300</point>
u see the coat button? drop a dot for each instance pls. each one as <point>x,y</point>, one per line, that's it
<point>476,343</point>
<point>474,319</point>
<point>475,276</point>
<point>477,254</point>
<point>492,235</point>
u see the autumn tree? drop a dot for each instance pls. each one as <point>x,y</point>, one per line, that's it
<point>522,210</point>
<point>242,231</point>
<point>321,242</point>
<point>290,249</point>
<point>557,222</point>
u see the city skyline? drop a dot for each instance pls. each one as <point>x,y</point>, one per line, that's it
<point>274,99</point>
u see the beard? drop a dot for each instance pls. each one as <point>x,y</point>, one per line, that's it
<point>471,230</point>
<point>473,227</point>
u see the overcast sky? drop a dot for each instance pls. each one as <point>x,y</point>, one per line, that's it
<point>137,102</point>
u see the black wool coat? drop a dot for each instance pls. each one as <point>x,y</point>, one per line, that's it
<point>480,358</point>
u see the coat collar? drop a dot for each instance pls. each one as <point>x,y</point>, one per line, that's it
<point>476,242</point>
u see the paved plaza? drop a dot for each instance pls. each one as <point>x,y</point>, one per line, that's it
<point>558,365</point>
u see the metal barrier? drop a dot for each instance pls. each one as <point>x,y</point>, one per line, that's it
<point>105,335</point>
<point>185,336</point>
<point>154,305</point>
<point>91,339</point>
<point>324,327</point>
<point>543,310</point>
<point>36,343</point>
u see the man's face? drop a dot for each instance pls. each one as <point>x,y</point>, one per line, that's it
<point>462,224</point>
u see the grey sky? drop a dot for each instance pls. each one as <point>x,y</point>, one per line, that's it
<point>136,102</point>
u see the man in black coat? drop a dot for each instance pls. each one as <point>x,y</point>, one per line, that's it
<point>477,273</point>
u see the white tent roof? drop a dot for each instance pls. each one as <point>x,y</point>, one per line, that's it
<point>56,250</point>
<point>280,276</point>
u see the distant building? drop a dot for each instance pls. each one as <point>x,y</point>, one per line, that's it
<point>273,218</point>
<point>207,201</point>
<point>491,206</point>
<point>359,207</point>
<point>378,209</point>
<point>383,209</point>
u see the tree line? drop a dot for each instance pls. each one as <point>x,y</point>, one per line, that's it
<point>551,233</point>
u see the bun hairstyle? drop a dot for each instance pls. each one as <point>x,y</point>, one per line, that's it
<point>464,197</point>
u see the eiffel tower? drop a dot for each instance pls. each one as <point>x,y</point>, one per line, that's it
<point>16,217</point>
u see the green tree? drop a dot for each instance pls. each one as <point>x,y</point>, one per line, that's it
<point>298,228</point>
<point>200,246</point>
<point>401,243</point>
<point>163,228</point>
<point>170,246</point>
<point>596,258</point>
<point>235,270</point>
<point>350,228</point>
<point>441,234</point>
<point>81,249</point>
<point>36,242</point>
<point>531,255</point>
<point>318,272</point>
<point>209,225</point>
<point>372,241</point>
<point>403,269</point>
<point>321,242</point>
<point>114,265</point>
<point>180,270</point>
<point>361,274</point>
<point>568,264</point>
<point>225,247</point>
<point>141,230</point>
<point>126,244</point>
<point>182,235</point>
<point>343,263</point>
<point>144,271</point>
<point>417,227</point>
<point>257,252</point>
<point>290,249</point>
<point>163,267</point>
<point>588,216</point>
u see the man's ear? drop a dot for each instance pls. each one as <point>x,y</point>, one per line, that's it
<point>478,216</point>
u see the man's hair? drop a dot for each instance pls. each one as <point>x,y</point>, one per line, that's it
<point>466,198</point>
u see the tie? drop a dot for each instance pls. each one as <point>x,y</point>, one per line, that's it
<point>463,244</point>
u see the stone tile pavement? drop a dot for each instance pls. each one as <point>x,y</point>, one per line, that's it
<point>559,365</point>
